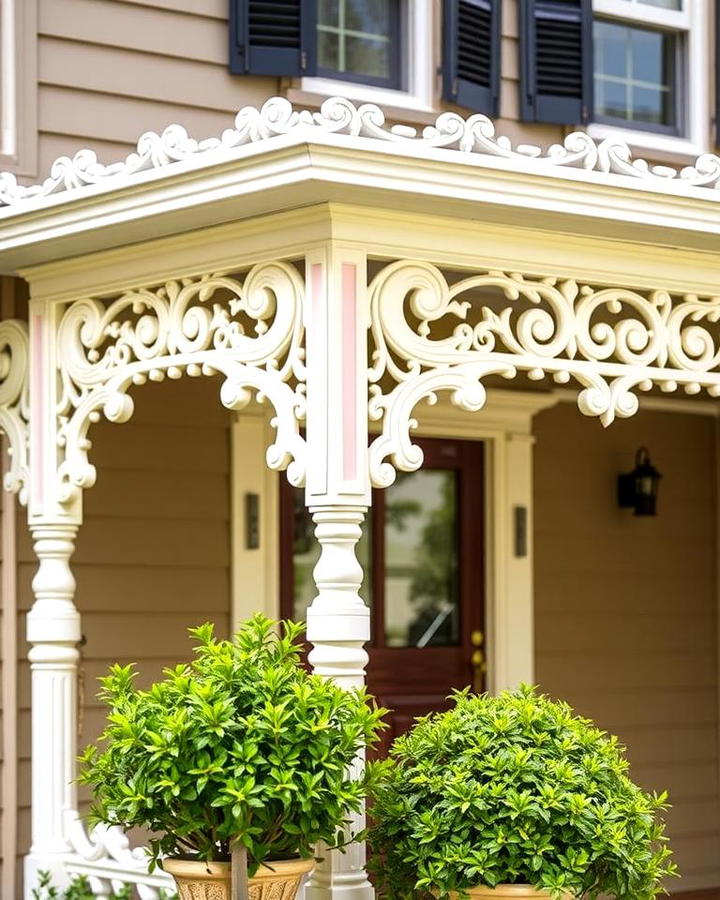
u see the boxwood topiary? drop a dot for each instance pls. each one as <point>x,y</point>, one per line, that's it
<point>241,743</point>
<point>509,790</point>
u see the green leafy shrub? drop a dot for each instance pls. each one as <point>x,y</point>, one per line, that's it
<point>80,889</point>
<point>240,744</point>
<point>510,790</point>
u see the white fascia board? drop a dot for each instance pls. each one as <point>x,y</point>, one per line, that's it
<point>308,167</point>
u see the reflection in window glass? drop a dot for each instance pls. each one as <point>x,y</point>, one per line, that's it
<point>635,74</point>
<point>306,552</point>
<point>663,4</point>
<point>357,40</point>
<point>421,567</point>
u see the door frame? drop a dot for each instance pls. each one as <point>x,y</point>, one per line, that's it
<point>505,426</point>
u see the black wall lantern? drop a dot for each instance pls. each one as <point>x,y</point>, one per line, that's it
<point>639,489</point>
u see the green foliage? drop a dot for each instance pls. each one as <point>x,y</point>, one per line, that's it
<point>79,889</point>
<point>509,790</point>
<point>242,744</point>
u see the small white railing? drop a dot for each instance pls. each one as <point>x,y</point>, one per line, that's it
<point>105,858</point>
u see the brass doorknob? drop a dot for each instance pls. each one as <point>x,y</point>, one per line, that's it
<point>477,661</point>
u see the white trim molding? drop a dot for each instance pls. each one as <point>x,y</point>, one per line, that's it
<point>18,86</point>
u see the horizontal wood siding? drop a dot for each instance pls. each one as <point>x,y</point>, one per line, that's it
<point>626,607</point>
<point>110,70</point>
<point>153,554</point>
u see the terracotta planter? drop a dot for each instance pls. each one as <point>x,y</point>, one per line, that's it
<point>508,892</point>
<point>212,881</point>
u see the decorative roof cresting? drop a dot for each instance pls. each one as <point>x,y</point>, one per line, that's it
<point>337,115</point>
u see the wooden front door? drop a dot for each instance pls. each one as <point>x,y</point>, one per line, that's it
<point>422,552</point>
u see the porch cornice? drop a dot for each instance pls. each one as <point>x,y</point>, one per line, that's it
<point>579,189</point>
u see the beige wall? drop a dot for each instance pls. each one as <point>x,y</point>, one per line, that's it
<point>626,607</point>
<point>153,555</point>
<point>110,70</point>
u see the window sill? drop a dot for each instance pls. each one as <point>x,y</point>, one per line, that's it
<point>660,147</point>
<point>365,93</point>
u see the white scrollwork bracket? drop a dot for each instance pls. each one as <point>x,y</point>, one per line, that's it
<point>105,857</point>
<point>249,331</point>
<point>14,407</point>
<point>612,341</point>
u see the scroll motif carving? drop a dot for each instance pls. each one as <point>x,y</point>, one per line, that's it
<point>106,858</point>
<point>612,341</point>
<point>474,134</point>
<point>14,407</point>
<point>250,332</point>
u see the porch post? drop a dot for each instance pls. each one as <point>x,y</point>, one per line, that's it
<point>53,622</point>
<point>338,495</point>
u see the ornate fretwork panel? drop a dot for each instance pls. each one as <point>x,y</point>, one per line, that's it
<point>432,334</point>
<point>14,409</point>
<point>249,331</point>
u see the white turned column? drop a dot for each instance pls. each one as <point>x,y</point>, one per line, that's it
<point>337,493</point>
<point>338,625</point>
<point>53,630</point>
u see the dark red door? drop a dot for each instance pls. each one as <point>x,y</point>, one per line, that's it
<point>423,557</point>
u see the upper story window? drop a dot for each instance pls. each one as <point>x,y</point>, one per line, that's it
<point>635,69</point>
<point>640,58</point>
<point>360,41</point>
<point>376,51</point>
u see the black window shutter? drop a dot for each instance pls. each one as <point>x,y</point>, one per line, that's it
<point>272,38</point>
<point>471,54</point>
<point>556,61</point>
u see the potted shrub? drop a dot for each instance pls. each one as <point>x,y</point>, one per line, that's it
<point>240,746</point>
<point>513,796</point>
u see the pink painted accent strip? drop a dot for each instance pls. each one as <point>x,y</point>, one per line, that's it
<point>349,374</point>
<point>318,475</point>
<point>37,413</point>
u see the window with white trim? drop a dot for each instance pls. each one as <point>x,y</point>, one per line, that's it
<point>360,40</point>
<point>641,51</point>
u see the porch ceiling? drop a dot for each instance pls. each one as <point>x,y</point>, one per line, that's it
<point>276,160</point>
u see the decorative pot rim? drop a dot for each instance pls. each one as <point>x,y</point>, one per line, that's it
<point>507,890</point>
<point>217,870</point>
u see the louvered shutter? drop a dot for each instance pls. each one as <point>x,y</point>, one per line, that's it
<point>471,54</point>
<point>556,61</point>
<point>272,38</point>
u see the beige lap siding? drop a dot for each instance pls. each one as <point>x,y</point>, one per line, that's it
<point>108,70</point>
<point>111,69</point>
<point>626,607</point>
<point>153,554</point>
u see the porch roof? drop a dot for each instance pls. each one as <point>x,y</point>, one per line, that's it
<point>277,158</point>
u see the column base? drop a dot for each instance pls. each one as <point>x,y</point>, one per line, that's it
<point>34,863</point>
<point>339,886</point>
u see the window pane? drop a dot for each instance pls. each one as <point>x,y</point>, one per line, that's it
<point>366,57</point>
<point>649,57</point>
<point>635,74</point>
<point>329,12</point>
<point>421,567</point>
<point>663,4</point>
<point>327,50</point>
<point>611,99</point>
<point>368,16</point>
<point>611,53</point>
<point>306,552</point>
<point>649,105</point>
<point>358,39</point>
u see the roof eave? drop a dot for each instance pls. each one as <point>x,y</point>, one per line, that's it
<point>309,167</point>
